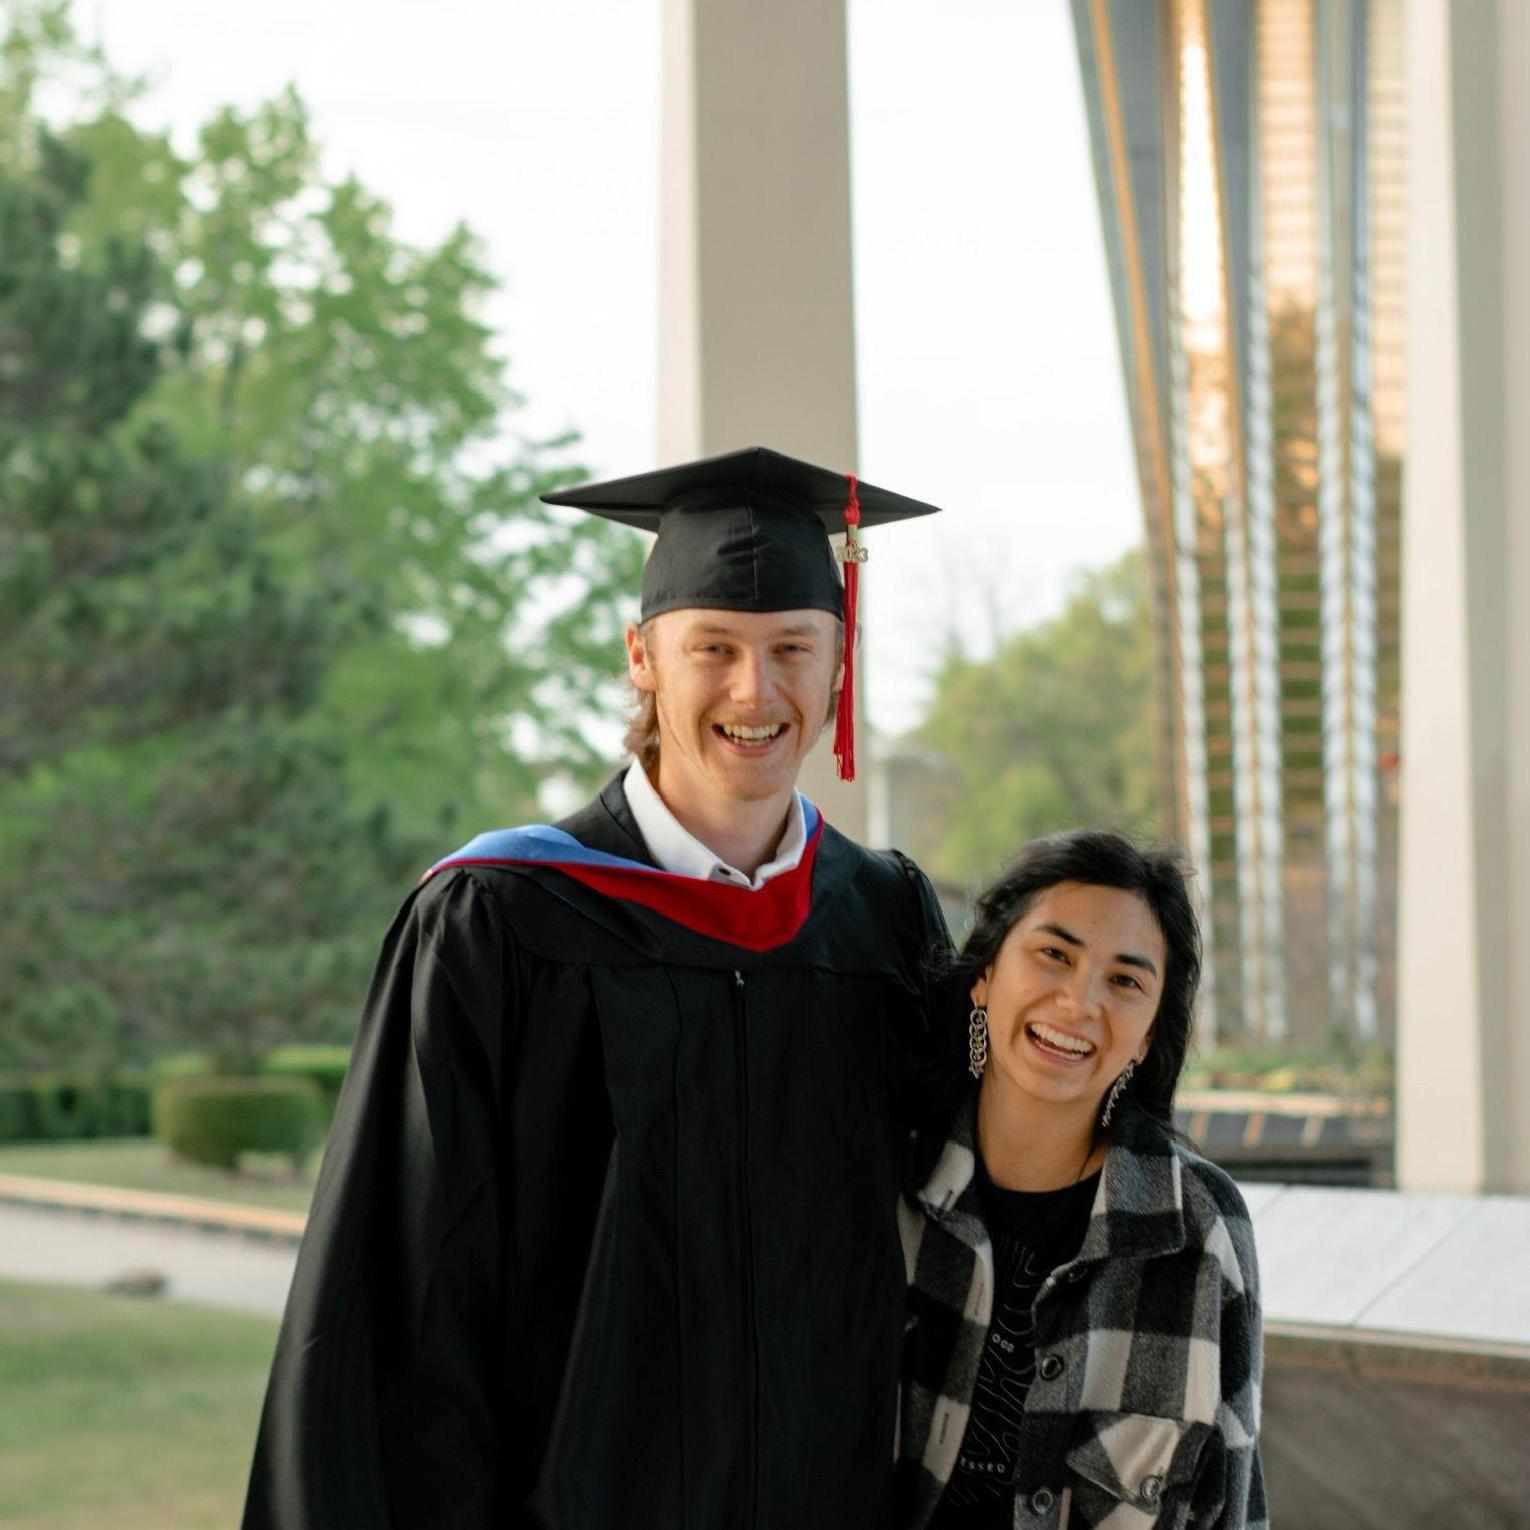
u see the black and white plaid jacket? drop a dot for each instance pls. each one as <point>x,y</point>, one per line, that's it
<point>1144,1409</point>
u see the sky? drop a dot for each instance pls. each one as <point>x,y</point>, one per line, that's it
<point>989,374</point>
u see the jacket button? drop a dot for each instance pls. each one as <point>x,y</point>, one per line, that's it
<point>1042,1500</point>
<point>1152,1487</point>
<point>1051,1367</point>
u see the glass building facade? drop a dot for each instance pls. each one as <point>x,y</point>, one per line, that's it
<point>1251,163</point>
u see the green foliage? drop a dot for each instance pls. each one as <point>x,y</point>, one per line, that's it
<point>212,1121</point>
<point>325,1066</point>
<point>55,1107</point>
<point>169,1066</point>
<point>1335,1067</point>
<point>355,396</point>
<point>276,589</point>
<point>166,806</point>
<point>1053,732</point>
<point>18,1118</point>
<point>68,1108</point>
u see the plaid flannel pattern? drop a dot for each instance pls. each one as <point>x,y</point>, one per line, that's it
<point>1144,1408</point>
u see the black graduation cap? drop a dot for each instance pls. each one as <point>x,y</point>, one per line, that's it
<point>749,531</point>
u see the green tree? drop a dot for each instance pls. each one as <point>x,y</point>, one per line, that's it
<point>165,810</point>
<point>360,405</point>
<point>1054,731</point>
<point>276,592</point>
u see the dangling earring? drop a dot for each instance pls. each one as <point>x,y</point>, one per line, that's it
<point>977,1041</point>
<point>1117,1089</point>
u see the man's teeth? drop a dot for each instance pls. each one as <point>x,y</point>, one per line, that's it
<point>1061,1041</point>
<point>751,735</point>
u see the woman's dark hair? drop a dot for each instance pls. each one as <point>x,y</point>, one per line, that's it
<point>1101,859</point>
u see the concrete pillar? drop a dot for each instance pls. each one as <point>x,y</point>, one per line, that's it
<point>756,324</point>
<point>1464,937</point>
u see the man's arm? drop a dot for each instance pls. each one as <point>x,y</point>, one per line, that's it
<point>383,1408</point>
<point>926,1076</point>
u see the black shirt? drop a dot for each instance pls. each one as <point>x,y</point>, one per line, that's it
<point>1032,1232</point>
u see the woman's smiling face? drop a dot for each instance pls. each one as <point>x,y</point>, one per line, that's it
<point>1071,995</point>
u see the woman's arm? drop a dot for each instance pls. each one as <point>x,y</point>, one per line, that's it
<point>1242,1368</point>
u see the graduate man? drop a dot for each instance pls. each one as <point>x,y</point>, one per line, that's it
<point>605,1234</point>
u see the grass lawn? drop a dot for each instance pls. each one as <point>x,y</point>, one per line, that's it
<point>141,1163</point>
<point>120,1413</point>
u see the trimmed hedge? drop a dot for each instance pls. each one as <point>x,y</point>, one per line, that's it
<point>56,1107</point>
<point>325,1066</point>
<point>52,1107</point>
<point>215,1120</point>
<point>174,1065</point>
<point>17,1113</point>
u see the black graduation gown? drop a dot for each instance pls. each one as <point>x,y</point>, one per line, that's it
<point>605,1232</point>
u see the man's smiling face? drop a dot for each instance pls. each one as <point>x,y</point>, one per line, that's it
<point>741,697</point>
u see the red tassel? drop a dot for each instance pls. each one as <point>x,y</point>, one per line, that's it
<point>854,555</point>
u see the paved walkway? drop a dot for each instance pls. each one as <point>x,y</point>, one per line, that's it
<point>261,1222</point>
<point>1362,1265</point>
<point>1452,1270</point>
<point>214,1270</point>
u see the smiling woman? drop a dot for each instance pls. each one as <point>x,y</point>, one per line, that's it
<point>1070,999</point>
<point>1084,1312</point>
<point>1142,903</point>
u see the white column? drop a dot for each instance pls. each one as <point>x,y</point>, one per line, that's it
<point>1508,1152</point>
<point>1464,937</point>
<point>756,325</point>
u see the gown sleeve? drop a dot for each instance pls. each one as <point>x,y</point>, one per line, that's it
<point>384,1402</point>
<point>923,1074</point>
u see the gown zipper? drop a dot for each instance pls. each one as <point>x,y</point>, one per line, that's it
<point>741,1007</point>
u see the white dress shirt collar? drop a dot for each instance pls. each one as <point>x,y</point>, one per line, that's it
<point>676,849</point>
